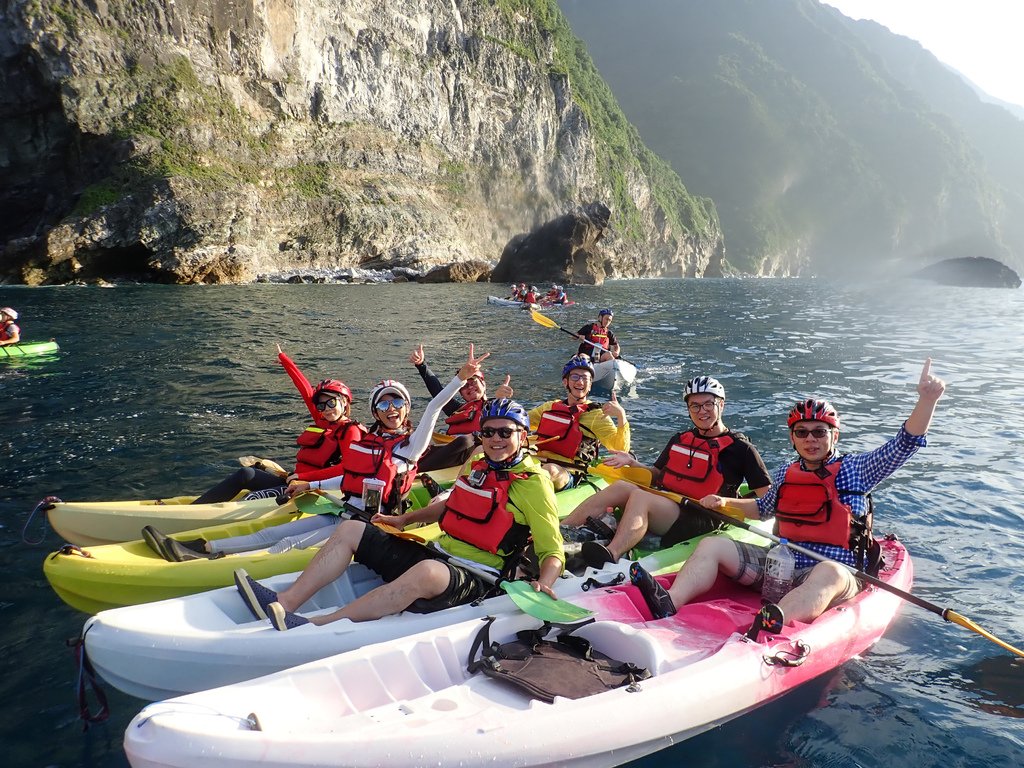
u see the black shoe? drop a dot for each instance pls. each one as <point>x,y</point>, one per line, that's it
<point>431,485</point>
<point>174,551</point>
<point>769,619</point>
<point>596,554</point>
<point>655,595</point>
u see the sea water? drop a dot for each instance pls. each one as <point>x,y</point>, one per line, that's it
<point>157,390</point>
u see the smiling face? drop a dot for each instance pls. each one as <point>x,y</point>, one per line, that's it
<point>813,440</point>
<point>331,406</point>
<point>473,389</point>
<point>705,411</point>
<point>391,412</point>
<point>578,384</point>
<point>496,446</point>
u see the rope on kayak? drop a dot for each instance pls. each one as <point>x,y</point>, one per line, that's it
<point>87,679</point>
<point>71,549</point>
<point>794,658</point>
<point>45,505</point>
<point>587,585</point>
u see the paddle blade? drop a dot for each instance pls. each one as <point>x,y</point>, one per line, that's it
<point>966,623</point>
<point>541,606</point>
<point>540,319</point>
<point>312,503</point>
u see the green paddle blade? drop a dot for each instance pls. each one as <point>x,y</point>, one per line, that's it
<point>541,606</point>
<point>316,504</point>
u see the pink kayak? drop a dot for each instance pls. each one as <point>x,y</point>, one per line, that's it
<point>413,700</point>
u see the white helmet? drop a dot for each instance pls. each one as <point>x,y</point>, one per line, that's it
<point>389,387</point>
<point>704,385</point>
<point>9,312</point>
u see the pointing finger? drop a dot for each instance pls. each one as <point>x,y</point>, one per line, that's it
<point>926,371</point>
<point>508,378</point>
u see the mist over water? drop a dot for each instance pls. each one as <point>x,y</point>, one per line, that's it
<point>158,389</point>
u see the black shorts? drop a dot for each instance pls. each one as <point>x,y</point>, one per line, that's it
<point>690,524</point>
<point>391,557</point>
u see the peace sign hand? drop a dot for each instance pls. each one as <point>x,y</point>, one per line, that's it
<point>930,387</point>
<point>472,366</point>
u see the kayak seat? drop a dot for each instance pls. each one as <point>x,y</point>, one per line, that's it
<point>625,643</point>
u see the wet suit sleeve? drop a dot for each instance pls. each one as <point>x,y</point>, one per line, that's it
<point>420,437</point>
<point>434,387</point>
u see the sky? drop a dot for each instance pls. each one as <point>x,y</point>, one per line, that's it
<point>982,39</point>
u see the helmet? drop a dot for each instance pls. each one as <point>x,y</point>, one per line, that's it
<point>388,387</point>
<point>533,288</point>
<point>9,312</point>
<point>335,386</point>
<point>704,385</point>
<point>813,410</point>
<point>578,361</point>
<point>604,312</point>
<point>503,408</point>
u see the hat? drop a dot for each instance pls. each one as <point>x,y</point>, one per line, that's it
<point>388,387</point>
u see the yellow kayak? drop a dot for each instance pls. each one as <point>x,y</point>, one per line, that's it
<point>95,578</point>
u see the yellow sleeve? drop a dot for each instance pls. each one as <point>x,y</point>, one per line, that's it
<point>604,429</point>
<point>533,503</point>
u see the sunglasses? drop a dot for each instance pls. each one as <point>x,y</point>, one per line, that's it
<point>503,432</point>
<point>802,433</point>
<point>323,405</point>
<point>397,403</point>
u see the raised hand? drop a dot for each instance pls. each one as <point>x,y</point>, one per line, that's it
<point>472,365</point>
<point>503,389</point>
<point>279,350</point>
<point>417,357</point>
<point>930,387</point>
<point>613,410</point>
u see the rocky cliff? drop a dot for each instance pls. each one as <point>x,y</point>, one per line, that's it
<point>211,140</point>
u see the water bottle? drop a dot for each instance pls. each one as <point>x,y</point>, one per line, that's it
<point>778,572</point>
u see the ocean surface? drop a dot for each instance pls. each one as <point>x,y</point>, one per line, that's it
<point>157,390</point>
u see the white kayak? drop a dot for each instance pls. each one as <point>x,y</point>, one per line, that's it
<point>614,375</point>
<point>186,644</point>
<point>499,302</point>
<point>413,701</point>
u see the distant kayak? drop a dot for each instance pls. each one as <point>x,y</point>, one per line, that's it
<point>499,302</point>
<point>29,348</point>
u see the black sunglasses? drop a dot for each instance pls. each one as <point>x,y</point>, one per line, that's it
<point>323,405</point>
<point>503,432</point>
<point>818,432</point>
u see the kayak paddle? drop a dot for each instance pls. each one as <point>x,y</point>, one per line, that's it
<point>636,475</point>
<point>547,322</point>
<point>313,503</point>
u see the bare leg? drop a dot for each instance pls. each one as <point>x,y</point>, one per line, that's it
<point>642,511</point>
<point>809,600</point>
<point>714,555</point>
<point>558,475</point>
<point>426,579</point>
<point>615,495</point>
<point>328,564</point>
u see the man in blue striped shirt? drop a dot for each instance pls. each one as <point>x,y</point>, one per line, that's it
<point>800,498</point>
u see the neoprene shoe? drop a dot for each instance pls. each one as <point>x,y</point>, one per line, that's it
<point>596,554</point>
<point>174,551</point>
<point>655,595</point>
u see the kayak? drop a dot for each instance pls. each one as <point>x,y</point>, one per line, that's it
<point>29,348</point>
<point>614,374</point>
<point>93,579</point>
<point>93,523</point>
<point>510,303</point>
<point>412,701</point>
<point>201,641</point>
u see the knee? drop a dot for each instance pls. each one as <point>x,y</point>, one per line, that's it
<point>432,577</point>
<point>347,533</point>
<point>828,575</point>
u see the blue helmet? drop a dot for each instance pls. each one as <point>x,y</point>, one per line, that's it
<point>503,408</point>
<point>578,361</point>
<point>604,312</point>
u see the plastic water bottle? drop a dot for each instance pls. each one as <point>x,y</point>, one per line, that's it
<point>778,572</point>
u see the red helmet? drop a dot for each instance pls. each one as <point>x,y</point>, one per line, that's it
<point>813,410</point>
<point>335,386</point>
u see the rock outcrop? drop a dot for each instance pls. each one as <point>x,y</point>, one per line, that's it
<point>970,272</point>
<point>199,141</point>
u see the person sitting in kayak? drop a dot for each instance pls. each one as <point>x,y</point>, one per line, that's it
<point>321,446</point>
<point>9,332</point>
<point>559,296</point>
<point>598,340</point>
<point>571,431</point>
<point>709,458</point>
<point>500,501</point>
<point>821,501</point>
<point>530,297</point>
<point>389,452</point>
<point>463,419</point>
<point>514,293</point>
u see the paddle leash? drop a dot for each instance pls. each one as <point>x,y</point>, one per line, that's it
<point>641,477</point>
<point>547,322</point>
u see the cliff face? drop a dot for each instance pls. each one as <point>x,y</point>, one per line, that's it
<point>209,140</point>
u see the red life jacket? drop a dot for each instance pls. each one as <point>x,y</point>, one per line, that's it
<point>693,464</point>
<point>480,515</point>
<point>321,447</point>
<point>466,419</point>
<point>373,456</point>
<point>809,509</point>
<point>598,334</point>
<point>560,431</point>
